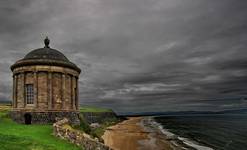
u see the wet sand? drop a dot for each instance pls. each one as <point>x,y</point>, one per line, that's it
<point>135,134</point>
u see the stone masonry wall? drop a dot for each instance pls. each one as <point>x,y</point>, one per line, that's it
<point>77,137</point>
<point>44,117</point>
<point>55,88</point>
<point>20,91</point>
<point>42,91</point>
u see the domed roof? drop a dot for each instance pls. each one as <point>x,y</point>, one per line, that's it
<point>46,53</point>
<point>45,56</point>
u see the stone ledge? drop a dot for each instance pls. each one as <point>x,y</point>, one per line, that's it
<point>32,62</point>
<point>40,110</point>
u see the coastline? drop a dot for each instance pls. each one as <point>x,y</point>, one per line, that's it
<point>161,140</point>
<point>181,142</point>
<point>138,133</point>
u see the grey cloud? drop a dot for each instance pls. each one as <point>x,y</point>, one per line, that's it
<point>137,55</point>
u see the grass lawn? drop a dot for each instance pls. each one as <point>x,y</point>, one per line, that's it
<point>15,136</point>
<point>93,109</point>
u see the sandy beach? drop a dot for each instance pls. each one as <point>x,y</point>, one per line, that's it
<point>134,134</point>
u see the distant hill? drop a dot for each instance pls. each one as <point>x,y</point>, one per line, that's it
<point>93,109</point>
<point>233,111</point>
<point>5,102</point>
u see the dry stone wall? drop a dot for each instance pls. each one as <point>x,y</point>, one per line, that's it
<point>77,137</point>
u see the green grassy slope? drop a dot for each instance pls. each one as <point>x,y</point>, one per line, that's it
<point>93,109</point>
<point>15,136</point>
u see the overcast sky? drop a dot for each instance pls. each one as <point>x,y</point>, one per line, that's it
<point>137,55</point>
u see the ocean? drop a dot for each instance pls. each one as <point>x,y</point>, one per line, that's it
<point>205,132</point>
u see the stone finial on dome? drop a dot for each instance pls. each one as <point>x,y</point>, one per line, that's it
<point>47,42</point>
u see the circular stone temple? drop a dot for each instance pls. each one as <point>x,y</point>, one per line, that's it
<point>45,87</point>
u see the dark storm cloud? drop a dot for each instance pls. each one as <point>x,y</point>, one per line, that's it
<point>137,55</point>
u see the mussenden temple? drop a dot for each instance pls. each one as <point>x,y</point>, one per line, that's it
<point>45,87</point>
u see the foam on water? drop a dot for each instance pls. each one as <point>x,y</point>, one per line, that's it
<point>186,141</point>
<point>193,144</point>
<point>164,131</point>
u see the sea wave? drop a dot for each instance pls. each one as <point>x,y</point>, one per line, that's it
<point>193,144</point>
<point>174,137</point>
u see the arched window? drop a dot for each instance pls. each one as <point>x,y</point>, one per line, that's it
<point>29,95</point>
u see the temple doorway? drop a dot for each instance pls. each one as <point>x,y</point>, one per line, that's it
<point>28,118</point>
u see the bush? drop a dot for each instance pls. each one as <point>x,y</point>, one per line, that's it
<point>83,125</point>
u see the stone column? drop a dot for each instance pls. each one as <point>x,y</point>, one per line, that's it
<point>77,95</point>
<point>14,92</point>
<point>16,88</point>
<point>49,90</point>
<point>35,85</point>
<point>63,91</point>
<point>72,93</point>
<point>23,89</point>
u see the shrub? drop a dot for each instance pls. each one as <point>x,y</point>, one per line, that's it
<point>83,125</point>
